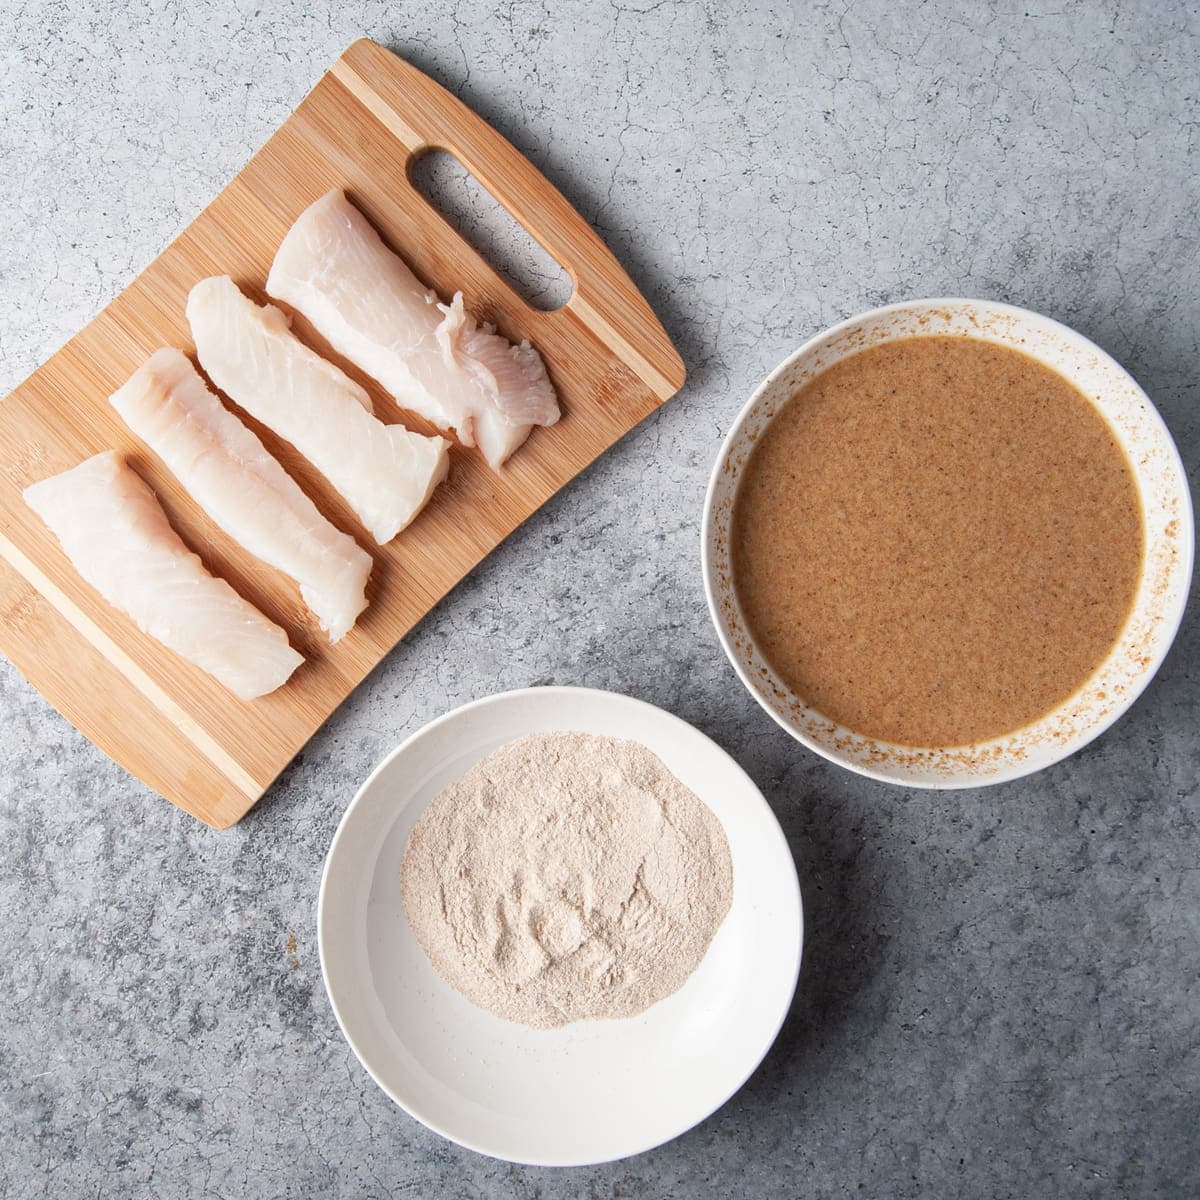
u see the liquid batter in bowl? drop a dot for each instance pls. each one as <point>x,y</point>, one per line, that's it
<point>937,541</point>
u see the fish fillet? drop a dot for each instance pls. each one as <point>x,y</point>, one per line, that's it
<point>434,358</point>
<point>385,472</point>
<point>242,488</point>
<point>118,538</point>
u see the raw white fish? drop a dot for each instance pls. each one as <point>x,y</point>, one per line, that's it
<point>118,538</point>
<point>435,359</point>
<point>242,488</point>
<point>385,472</point>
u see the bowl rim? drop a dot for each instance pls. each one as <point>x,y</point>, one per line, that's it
<point>1173,618</point>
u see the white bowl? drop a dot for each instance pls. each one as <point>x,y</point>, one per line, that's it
<point>1161,595</point>
<point>591,1091</point>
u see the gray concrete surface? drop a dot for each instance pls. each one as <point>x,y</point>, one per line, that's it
<point>1000,996</point>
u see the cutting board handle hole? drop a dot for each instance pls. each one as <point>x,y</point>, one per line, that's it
<point>481,221</point>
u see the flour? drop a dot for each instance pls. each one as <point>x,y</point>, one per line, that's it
<point>566,877</point>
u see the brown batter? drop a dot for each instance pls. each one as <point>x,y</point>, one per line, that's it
<point>936,541</point>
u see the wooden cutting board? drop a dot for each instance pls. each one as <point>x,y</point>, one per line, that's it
<point>361,128</point>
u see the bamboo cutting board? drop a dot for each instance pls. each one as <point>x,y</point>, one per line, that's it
<point>361,128</point>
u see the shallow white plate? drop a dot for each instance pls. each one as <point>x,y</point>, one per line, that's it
<point>587,1092</point>
<point>1158,605</point>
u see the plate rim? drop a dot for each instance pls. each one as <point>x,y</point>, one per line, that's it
<point>604,696</point>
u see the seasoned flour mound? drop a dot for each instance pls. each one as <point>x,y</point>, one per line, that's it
<point>566,877</point>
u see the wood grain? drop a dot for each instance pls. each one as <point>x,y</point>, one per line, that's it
<point>360,128</point>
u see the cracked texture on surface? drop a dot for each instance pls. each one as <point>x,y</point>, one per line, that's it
<point>1000,992</point>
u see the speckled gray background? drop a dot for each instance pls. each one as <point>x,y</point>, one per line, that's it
<point>1001,992</point>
